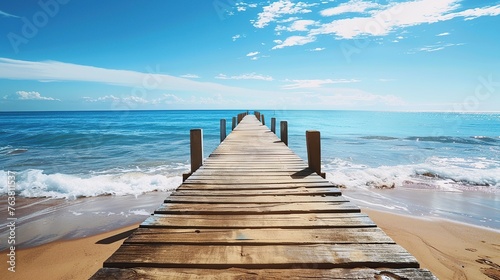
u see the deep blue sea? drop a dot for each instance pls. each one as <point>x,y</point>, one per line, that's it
<point>75,154</point>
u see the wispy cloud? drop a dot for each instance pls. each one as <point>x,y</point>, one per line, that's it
<point>238,36</point>
<point>388,18</point>
<point>317,49</point>
<point>111,98</point>
<point>359,18</point>
<point>60,71</point>
<point>252,53</point>
<point>4,14</point>
<point>298,84</point>
<point>280,8</point>
<point>190,76</point>
<point>293,41</point>
<point>353,6</point>
<point>250,76</point>
<point>29,95</point>
<point>443,34</point>
<point>436,47</point>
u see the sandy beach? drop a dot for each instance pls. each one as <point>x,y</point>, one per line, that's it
<point>450,250</point>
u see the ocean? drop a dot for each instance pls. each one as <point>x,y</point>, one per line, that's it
<point>377,157</point>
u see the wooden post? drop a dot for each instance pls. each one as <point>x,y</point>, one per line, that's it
<point>196,136</point>
<point>263,120</point>
<point>273,125</point>
<point>222,129</point>
<point>313,143</point>
<point>240,117</point>
<point>284,132</point>
<point>234,123</point>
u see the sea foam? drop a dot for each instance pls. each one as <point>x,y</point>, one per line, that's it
<point>35,183</point>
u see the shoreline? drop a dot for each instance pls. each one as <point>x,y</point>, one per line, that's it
<point>448,249</point>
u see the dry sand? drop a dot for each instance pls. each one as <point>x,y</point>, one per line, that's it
<point>450,250</point>
<point>69,259</point>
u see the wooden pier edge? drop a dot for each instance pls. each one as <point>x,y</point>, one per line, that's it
<point>255,210</point>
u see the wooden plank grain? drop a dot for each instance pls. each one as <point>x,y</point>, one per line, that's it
<point>253,199</point>
<point>258,208</point>
<point>318,220</point>
<point>272,256</point>
<point>260,274</point>
<point>272,236</point>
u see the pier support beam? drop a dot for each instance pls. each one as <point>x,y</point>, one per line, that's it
<point>313,143</point>
<point>263,120</point>
<point>234,123</point>
<point>273,125</point>
<point>284,132</point>
<point>222,129</point>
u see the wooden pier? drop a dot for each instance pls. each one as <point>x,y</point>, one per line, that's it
<point>255,210</point>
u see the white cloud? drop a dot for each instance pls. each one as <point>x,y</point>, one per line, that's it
<point>114,99</point>
<point>443,34</point>
<point>238,36</point>
<point>437,47</point>
<point>300,25</point>
<point>290,19</point>
<point>249,76</point>
<point>29,95</point>
<point>353,6</point>
<point>2,13</point>
<point>296,84</point>
<point>278,9</point>
<point>60,71</point>
<point>190,76</point>
<point>294,41</point>
<point>252,53</point>
<point>317,49</point>
<point>168,98</point>
<point>388,18</point>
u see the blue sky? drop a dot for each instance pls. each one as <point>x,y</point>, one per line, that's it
<point>411,55</point>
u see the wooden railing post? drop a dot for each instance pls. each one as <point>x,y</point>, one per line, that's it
<point>196,136</point>
<point>284,132</point>
<point>222,129</point>
<point>313,143</point>
<point>196,149</point>
<point>263,120</point>
<point>273,125</point>
<point>234,123</point>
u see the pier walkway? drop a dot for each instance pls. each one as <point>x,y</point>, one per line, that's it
<point>254,210</point>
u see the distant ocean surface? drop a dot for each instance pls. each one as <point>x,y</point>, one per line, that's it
<point>82,154</point>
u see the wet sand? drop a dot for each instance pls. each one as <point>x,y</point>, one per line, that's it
<point>450,250</point>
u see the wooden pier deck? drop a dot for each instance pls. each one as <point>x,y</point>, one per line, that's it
<point>255,211</point>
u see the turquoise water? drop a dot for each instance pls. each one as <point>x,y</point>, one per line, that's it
<point>73,154</point>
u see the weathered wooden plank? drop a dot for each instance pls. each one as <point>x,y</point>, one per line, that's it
<point>263,185</point>
<point>298,273</point>
<point>273,256</point>
<point>303,177</point>
<point>194,190</point>
<point>260,236</point>
<point>318,220</point>
<point>257,208</point>
<point>252,200</point>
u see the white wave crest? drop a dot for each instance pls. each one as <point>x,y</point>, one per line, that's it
<point>35,183</point>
